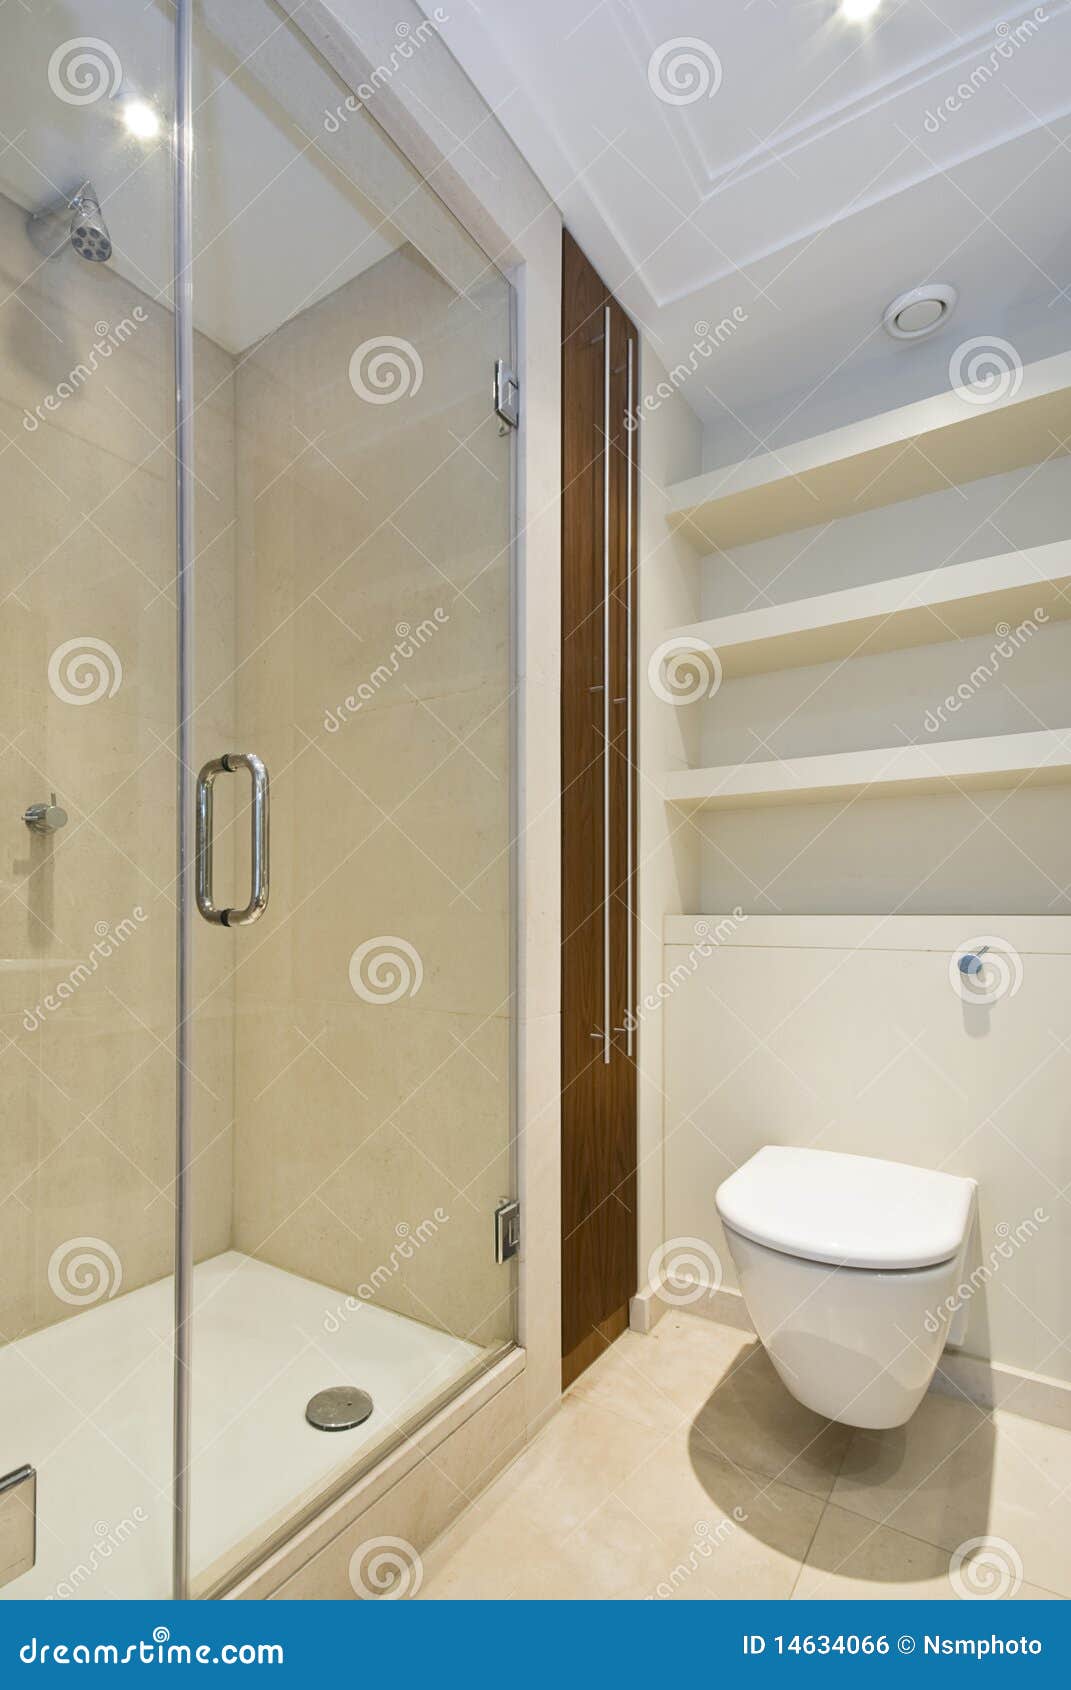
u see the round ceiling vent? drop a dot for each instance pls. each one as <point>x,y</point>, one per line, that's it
<point>920,311</point>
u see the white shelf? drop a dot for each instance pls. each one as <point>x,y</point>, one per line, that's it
<point>955,602</point>
<point>896,455</point>
<point>1000,761</point>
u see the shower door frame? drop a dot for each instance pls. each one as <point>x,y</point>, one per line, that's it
<point>186,903</point>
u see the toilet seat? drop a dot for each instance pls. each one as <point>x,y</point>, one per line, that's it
<point>845,1210</point>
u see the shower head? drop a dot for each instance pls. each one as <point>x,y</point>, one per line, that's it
<point>89,232</point>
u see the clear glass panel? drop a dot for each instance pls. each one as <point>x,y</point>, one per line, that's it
<point>87,922</point>
<point>353,1046</point>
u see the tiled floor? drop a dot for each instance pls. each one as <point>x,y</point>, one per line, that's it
<point>679,1466</point>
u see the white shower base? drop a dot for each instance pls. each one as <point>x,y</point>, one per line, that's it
<point>88,1403</point>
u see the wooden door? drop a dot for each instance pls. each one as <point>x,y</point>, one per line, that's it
<point>600,485</point>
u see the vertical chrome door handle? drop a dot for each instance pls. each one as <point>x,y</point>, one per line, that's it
<point>229,763</point>
<point>607,1022</point>
<point>630,944</point>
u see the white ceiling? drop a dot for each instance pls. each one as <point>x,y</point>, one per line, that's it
<point>276,226</point>
<point>813,178</point>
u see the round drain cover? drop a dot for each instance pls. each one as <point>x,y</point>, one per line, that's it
<point>338,1409</point>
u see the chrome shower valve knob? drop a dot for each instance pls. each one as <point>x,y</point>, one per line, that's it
<point>45,818</point>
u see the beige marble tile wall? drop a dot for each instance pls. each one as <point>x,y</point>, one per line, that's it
<point>374,517</point>
<point>87,675</point>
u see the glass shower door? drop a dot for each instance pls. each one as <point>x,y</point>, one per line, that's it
<point>353,992</point>
<point>87,911</point>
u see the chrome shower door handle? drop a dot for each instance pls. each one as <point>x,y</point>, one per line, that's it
<point>229,763</point>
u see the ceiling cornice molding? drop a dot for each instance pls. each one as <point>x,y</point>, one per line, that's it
<point>712,180</point>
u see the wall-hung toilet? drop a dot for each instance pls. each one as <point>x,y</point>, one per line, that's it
<point>848,1266</point>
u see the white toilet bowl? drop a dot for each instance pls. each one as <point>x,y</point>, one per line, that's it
<point>848,1266</point>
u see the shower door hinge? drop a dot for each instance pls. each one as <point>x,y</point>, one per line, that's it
<point>18,1523</point>
<point>507,396</point>
<point>507,1229</point>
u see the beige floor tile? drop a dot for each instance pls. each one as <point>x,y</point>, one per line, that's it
<point>954,1473</point>
<point>563,1478</point>
<point>725,1532</point>
<point>851,1558</point>
<point>722,1382</point>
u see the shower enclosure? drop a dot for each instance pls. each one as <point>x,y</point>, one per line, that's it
<point>256,941</point>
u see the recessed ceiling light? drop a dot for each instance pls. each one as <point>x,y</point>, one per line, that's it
<point>917,313</point>
<point>858,11</point>
<point>141,120</point>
